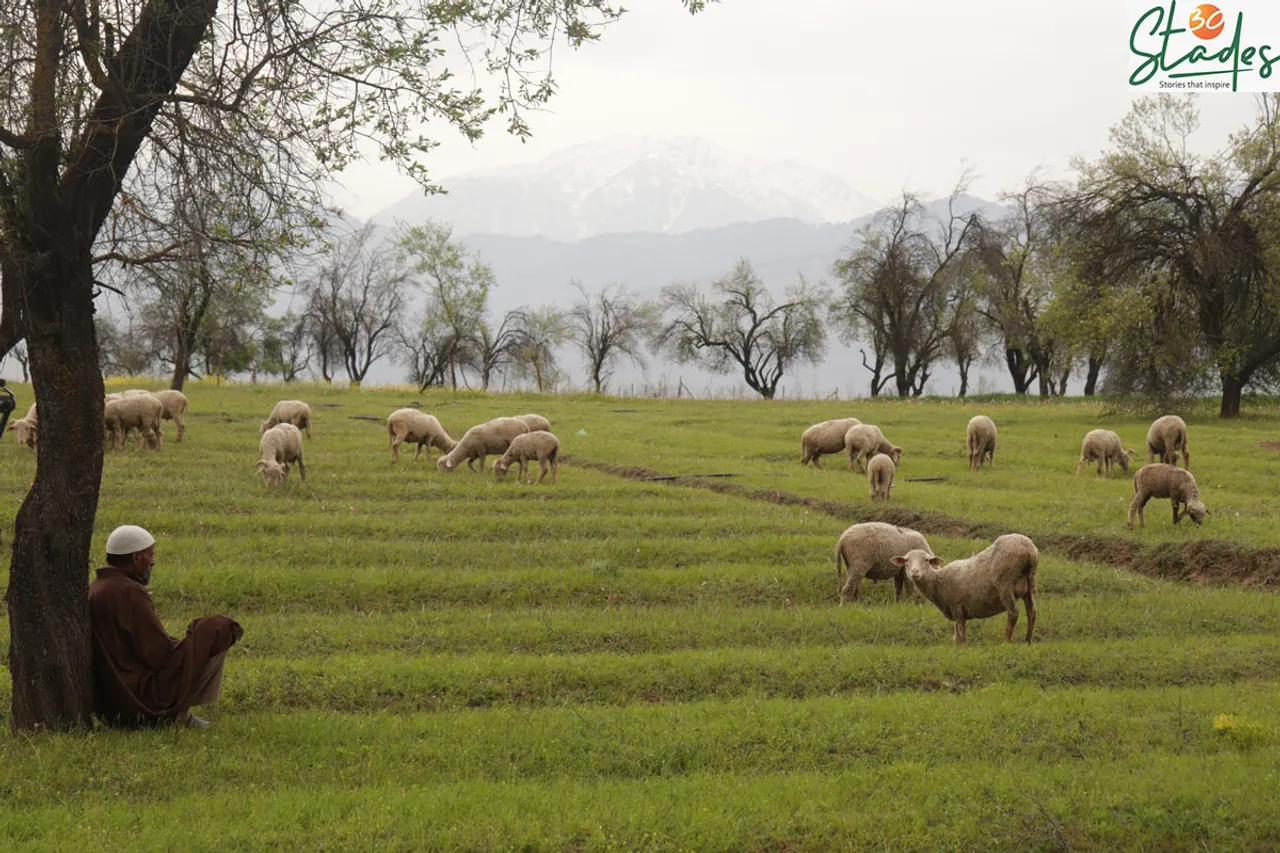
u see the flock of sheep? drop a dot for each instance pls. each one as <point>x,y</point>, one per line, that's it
<point>986,584</point>
<point>993,580</point>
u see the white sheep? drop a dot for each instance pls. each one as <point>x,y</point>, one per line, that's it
<point>535,422</point>
<point>980,437</point>
<point>1166,436</point>
<point>135,411</point>
<point>867,550</point>
<point>280,447</point>
<point>826,437</point>
<point>26,429</point>
<point>540,445</point>
<point>481,440</point>
<point>863,441</point>
<point>415,427</point>
<point>1160,480</point>
<point>293,412</point>
<point>175,409</point>
<point>880,476</point>
<point>983,585</point>
<point>1103,446</point>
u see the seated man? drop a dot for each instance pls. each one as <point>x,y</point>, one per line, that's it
<point>141,675</point>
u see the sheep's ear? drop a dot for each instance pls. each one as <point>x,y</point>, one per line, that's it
<point>898,561</point>
<point>1133,453</point>
<point>258,466</point>
<point>936,562</point>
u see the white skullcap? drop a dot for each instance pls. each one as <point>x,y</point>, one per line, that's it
<point>129,539</point>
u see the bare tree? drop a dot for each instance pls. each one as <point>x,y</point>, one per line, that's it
<point>424,347</point>
<point>495,348</point>
<point>538,332</point>
<point>746,328</point>
<point>612,324</point>
<point>357,295</point>
<point>899,282</point>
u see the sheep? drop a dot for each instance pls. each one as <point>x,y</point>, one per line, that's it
<point>293,412</point>
<point>865,549</point>
<point>982,585</point>
<point>1103,446</point>
<point>535,422</point>
<point>482,439</point>
<point>1160,480</point>
<point>865,441</point>
<point>980,436</point>
<point>175,409</point>
<point>137,411</point>
<point>1165,438</point>
<point>279,447</point>
<point>26,429</point>
<point>415,427</point>
<point>880,475</point>
<point>540,445</point>
<point>826,437</point>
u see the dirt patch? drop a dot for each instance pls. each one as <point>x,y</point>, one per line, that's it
<point>1270,445</point>
<point>1203,561</point>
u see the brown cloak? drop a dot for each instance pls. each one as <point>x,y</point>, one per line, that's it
<point>141,675</point>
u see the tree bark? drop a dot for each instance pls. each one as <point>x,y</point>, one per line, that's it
<point>1232,390</point>
<point>181,364</point>
<point>47,598</point>
<point>1018,365</point>
<point>1091,377</point>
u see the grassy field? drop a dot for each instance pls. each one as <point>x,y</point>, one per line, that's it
<point>449,662</point>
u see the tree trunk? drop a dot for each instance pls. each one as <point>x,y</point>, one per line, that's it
<point>1017,363</point>
<point>964,379</point>
<point>49,652</point>
<point>1091,377</point>
<point>1232,390</point>
<point>181,364</point>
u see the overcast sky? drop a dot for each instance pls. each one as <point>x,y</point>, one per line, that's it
<point>887,95</point>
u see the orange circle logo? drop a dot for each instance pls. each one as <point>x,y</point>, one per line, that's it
<point>1206,21</point>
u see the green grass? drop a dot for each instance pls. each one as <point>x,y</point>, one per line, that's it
<point>449,662</point>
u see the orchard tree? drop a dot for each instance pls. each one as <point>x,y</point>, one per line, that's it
<point>86,90</point>
<point>741,326</point>
<point>609,325</point>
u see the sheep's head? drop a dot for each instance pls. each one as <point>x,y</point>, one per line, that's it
<point>919,564</point>
<point>896,455</point>
<point>266,425</point>
<point>1196,510</point>
<point>273,473</point>
<point>1123,459</point>
<point>500,467</point>
<point>444,465</point>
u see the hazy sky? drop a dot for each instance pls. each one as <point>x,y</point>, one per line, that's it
<point>887,95</point>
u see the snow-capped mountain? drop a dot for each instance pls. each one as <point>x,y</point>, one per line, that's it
<point>633,184</point>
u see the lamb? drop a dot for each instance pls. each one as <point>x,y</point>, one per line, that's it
<point>980,436</point>
<point>1103,446</point>
<point>293,412</point>
<point>1165,438</point>
<point>279,447</point>
<point>981,586</point>
<point>1160,480</point>
<point>866,440</point>
<point>136,411</point>
<point>26,429</point>
<point>535,422</point>
<point>415,427</point>
<point>867,548</point>
<point>482,439</point>
<point>826,437</point>
<point>880,475</point>
<point>540,445</point>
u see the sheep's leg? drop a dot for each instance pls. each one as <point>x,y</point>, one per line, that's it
<point>542,470</point>
<point>418,451</point>
<point>1010,603</point>
<point>815,460</point>
<point>1139,501</point>
<point>1186,457</point>
<point>961,635</point>
<point>850,589</point>
<point>181,422</point>
<point>993,459</point>
<point>302,470</point>
<point>899,584</point>
<point>1030,600</point>
<point>555,469</point>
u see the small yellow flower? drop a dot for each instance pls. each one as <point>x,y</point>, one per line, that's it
<point>1226,723</point>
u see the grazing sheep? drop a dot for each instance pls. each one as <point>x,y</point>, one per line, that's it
<point>26,429</point>
<point>279,447</point>
<point>415,427</point>
<point>826,437</point>
<point>535,422</point>
<point>135,411</point>
<point>1165,438</point>
<point>540,445</point>
<point>866,440</point>
<point>293,412</point>
<point>1160,480</point>
<point>175,408</point>
<point>867,549</point>
<point>985,584</point>
<point>1103,446</point>
<point>880,475</point>
<point>980,436</point>
<point>482,439</point>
